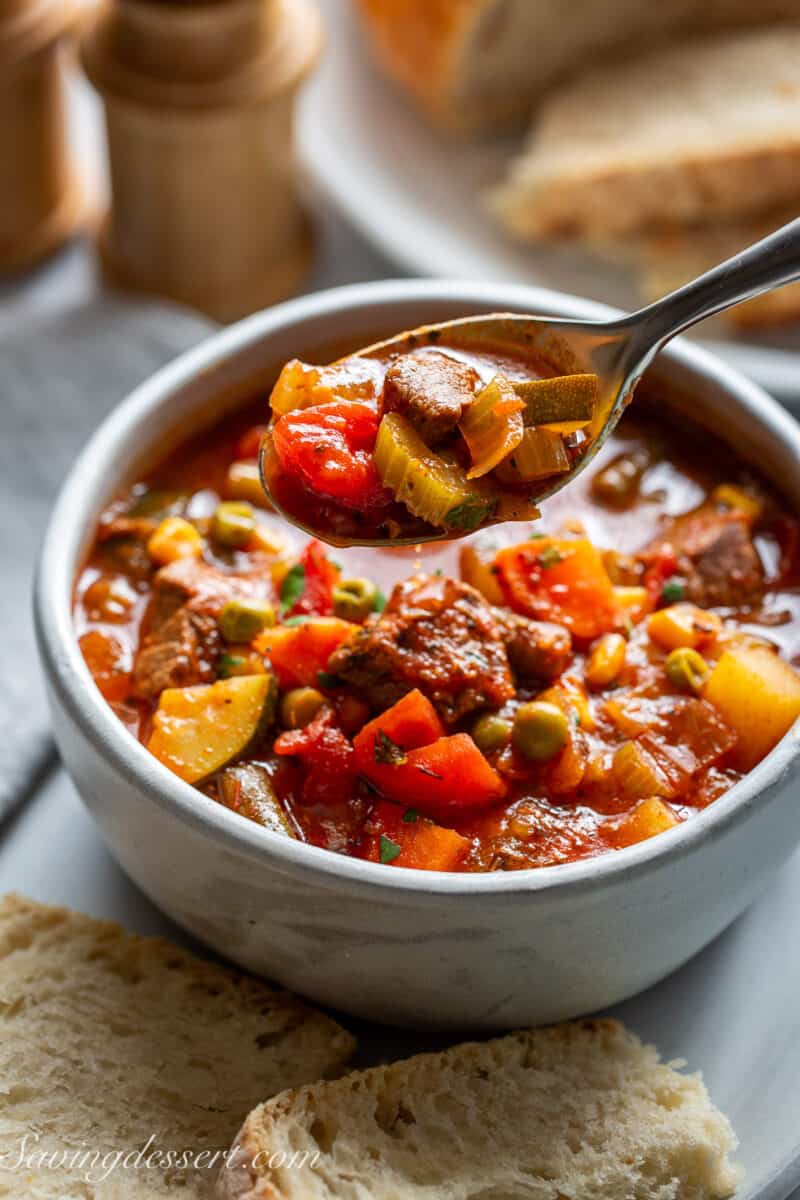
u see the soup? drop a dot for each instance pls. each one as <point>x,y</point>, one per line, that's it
<point>523,697</point>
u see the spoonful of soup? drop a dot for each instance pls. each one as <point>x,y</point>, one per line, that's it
<point>449,428</point>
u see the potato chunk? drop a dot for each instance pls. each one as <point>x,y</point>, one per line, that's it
<point>758,695</point>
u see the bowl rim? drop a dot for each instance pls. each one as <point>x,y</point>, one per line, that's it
<point>71,681</point>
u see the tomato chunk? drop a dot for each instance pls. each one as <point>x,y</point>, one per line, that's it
<point>408,724</point>
<point>327,758</point>
<point>559,579</point>
<point>298,652</point>
<point>403,838</point>
<point>443,780</point>
<point>314,578</point>
<point>329,449</point>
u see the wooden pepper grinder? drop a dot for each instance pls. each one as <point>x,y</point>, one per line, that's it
<point>199,98</point>
<point>40,203</point>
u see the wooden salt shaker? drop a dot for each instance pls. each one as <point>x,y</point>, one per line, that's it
<point>40,203</point>
<point>199,98</point>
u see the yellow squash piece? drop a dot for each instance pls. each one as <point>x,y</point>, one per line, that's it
<point>492,426</point>
<point>199,730</point>
<point>565,403</point>
<point>758,695</point>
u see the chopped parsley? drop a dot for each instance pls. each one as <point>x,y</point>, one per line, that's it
<point>389,849</point>
<point>673,590</point>
<point>550,557</point>
<point>299,620</point>
<point>471,513</point>
<point>387,751</point>
<point>410,816</point>
<point>293,587</point>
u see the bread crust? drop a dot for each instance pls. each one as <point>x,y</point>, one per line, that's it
<point>418,43</point>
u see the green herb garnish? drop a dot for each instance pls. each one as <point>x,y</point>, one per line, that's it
<point>673,590</point>
<point>379,603</point>
<point>550,557</point>
<point>410,816</point>
<point>293,586</point>
<point>387,751</point>
<point>389,849</point>
<point>298,620</point>
<point>469,514</point>
<point>228,664</point>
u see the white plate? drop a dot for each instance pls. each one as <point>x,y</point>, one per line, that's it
<point>419,196</point>
<point>733,1012</point>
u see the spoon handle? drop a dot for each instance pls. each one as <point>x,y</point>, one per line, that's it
<point>773,261</point>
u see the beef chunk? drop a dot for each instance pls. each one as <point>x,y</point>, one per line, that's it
<point>435,634</point>
<point>716,555</point>
<point>431,390</point>
<point>180,640</point>
<point>536,649</point>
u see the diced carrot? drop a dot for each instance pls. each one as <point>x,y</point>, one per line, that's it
<point>402,837</point>
<point>410,723</point>
<point>298,652</point>
<point>442,780</point>
<point>560,579</point>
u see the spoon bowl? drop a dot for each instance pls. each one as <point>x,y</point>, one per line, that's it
<point>617,352</point>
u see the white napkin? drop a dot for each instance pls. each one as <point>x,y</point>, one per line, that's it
<point>59,376</point>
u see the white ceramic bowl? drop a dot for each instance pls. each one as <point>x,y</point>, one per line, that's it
<point>409,947</point>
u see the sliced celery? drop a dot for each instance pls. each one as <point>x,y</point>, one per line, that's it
<point>431,487</point>
<point>540,453</point>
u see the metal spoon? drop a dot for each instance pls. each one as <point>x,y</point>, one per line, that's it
<point>618,352</point>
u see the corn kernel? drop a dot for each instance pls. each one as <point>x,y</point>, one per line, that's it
<point>606,660</point>
<point>683,625</point>
<point>633,601</point>
<point>243,482</point>
<point>174,538</point>
<point>737,498</point>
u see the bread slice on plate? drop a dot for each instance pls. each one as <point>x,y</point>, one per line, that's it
<point>112,1044</point>
<point>479,64</point>
<point>581,1111</point>
<point>695,132</point>
<point>663,263</point>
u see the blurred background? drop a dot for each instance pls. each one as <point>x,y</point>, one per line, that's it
<point>224,154</point>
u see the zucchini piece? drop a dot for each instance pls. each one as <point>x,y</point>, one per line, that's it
<point>431,487</point>
<point>492,425</point>
<point>565,403</point>
<point>540,453</point>
<point>248,789</point>
<point>199,730</point>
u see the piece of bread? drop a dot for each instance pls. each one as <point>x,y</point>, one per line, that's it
<point>582,1110</point>
<point>108,1040</point>
<point>480,64</point>
<point>699,131</point>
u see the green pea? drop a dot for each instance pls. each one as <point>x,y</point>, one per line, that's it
<point>241,620</point>
<point>354,599</point>
<point>300,706</point>
<point>686,669</point>
<point>233,524</point>
<point>491,732</point>
<point>540,730</point>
